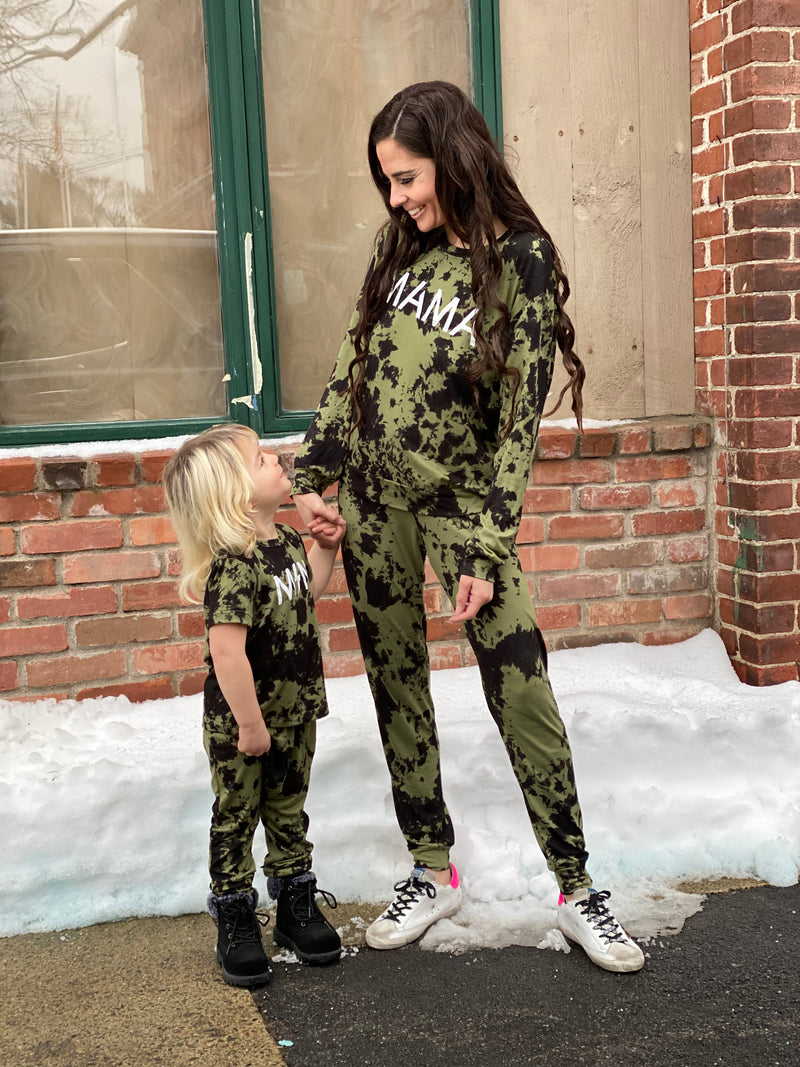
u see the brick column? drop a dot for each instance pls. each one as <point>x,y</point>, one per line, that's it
<point>746,141</point>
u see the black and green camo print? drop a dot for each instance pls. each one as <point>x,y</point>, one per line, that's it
<point>428,475</point>
<point>424,445</point>
<point>269,593</point>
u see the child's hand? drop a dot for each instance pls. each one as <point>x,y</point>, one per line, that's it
<point>326,533</point>
<point>254,740</point>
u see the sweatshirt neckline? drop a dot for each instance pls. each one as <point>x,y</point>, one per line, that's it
<point>456,250</point>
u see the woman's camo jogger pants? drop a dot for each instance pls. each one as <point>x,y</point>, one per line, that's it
<point>384,554</point>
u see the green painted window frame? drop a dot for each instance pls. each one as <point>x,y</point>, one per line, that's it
<point>239,156</point>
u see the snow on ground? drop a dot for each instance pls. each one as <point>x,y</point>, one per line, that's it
<point>683,773</point>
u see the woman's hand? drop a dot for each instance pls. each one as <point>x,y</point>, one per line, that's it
<point>327,534</point>
<point>324,522</point>
<point>473,593</point>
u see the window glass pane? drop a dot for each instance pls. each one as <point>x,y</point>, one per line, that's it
<point>329,65</point>
<point>109,287</point>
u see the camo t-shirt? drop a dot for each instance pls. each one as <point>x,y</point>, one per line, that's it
<point>270,594</point>
<point>425,445</point>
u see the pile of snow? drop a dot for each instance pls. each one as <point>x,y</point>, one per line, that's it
<point>683,773</point>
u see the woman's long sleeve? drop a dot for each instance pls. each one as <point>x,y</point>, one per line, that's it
<point>319,461</point>
<point>531,353</point>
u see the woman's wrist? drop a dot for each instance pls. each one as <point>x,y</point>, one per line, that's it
<point>475,567</point>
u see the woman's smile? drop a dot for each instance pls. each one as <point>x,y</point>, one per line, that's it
<point>412,184</point>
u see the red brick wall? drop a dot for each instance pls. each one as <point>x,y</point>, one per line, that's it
<point>614,540</point>
<point>746,139</point>
<point>615,537</point>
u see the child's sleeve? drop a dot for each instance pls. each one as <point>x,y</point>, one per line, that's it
<point>230,591</point>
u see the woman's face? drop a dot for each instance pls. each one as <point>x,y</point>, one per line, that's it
<point>412,181</point>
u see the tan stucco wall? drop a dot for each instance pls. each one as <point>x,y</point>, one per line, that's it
<point>596,108</point>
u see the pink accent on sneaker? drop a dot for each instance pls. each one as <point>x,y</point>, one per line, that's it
<point>562,899</point>
<point>454,883</point>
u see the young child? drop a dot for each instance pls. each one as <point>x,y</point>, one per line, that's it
<point>264,690</point>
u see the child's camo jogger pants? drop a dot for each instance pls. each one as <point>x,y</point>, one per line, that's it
<point>245,795</point>
<point>384,557</point>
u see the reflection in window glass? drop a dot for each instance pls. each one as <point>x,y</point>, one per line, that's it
<point>109,289</point>
<point>329,66</point>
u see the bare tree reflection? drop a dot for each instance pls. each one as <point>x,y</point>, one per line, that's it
<point>109,292</point>
<point>26,26</point>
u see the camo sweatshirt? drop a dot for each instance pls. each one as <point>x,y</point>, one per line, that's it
<point>425,446</point>
<point>269,592</point>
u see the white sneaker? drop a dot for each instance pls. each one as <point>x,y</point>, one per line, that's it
<point>586,920</point>
<point>420,901</point>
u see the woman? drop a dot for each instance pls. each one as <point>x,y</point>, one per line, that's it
<point>429,425</point>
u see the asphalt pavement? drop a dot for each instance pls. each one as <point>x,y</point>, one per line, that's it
<point>147,993</point>
<point>724,991</point>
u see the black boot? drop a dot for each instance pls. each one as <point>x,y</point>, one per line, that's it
<point>301,926</point>
<point>240,949</point>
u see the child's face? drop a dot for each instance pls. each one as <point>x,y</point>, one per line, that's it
<point>269,479</point>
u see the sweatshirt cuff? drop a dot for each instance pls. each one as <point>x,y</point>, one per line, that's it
<point>300,486</point>
<point>479,568</point>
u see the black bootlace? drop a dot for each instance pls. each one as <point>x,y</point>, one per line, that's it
<point>303,904</point>
<point>408,893</point>
<point>243,922</point>
<point>595,910</point>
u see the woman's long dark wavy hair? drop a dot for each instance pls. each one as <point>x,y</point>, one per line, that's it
<point>437,121</point>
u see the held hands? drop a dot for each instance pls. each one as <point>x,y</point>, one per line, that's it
<point>324,522</point>
<point>327,534</point>
<point>254,739</point>
<point>473,593</point>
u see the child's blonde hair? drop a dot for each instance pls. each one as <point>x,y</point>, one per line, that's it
<point>209,491</point>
